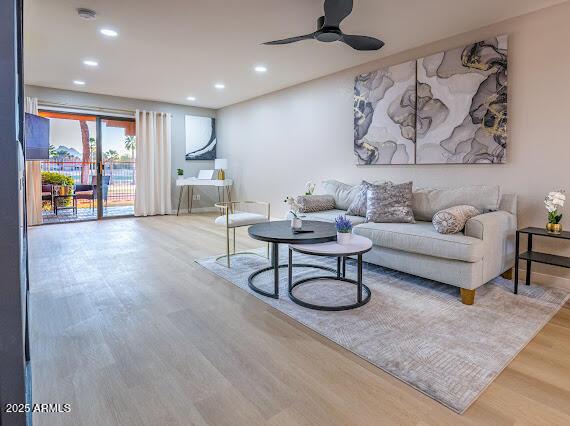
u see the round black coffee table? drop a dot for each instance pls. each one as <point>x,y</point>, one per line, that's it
<point>280,232</point>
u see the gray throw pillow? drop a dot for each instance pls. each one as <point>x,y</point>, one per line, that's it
<point>358,205</point>
<point>390,203</point>
<point>453,219</point>
<point>315,203</point>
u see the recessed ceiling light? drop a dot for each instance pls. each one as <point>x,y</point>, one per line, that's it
<point>190,98</point>
<point>109,32</point>
<point>90,63</point>
<point>260,68</point>
<point>79,82</point>
<point>220,86</point>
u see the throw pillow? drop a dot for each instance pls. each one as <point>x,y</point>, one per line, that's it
<point>390,203</point>
<point>343,193</point>
<point>315,203</point>
<point>358,205</point>
<point>453,219</point>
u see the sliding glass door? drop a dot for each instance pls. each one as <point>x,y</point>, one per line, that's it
<point>90,172</point>
<point>117,166</point>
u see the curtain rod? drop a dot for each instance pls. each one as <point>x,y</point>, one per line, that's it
<point>86,108</point>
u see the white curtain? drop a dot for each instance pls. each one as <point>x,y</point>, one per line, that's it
<point>33,178</point>
<point>153,177</point>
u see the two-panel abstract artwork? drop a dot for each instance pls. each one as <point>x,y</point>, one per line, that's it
<point>447,108</point>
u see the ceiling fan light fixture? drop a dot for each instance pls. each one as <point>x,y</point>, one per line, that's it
<point>328,29</point>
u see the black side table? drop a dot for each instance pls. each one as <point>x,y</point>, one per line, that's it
<point>535,256</point>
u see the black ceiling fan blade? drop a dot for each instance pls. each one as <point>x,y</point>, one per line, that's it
<point>336,11</point>
<point>291,39</point>
<point>362,42</point>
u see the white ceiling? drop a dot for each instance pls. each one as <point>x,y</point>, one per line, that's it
<point>170,49</point>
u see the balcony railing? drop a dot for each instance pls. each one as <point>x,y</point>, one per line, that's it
<point>121,174</point>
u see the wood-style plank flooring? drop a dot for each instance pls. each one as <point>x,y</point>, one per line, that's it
<point>129,330</point>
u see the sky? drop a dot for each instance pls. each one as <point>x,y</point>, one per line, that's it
<point>67,133</point>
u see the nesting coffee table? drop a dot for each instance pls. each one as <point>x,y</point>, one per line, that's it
<point>320,241</point>
<point>357,246</point>
<point>280,232</point>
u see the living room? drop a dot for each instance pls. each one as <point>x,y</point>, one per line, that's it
<point>317,212</point>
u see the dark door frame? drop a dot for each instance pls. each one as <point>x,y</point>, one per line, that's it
<point>14,373</point>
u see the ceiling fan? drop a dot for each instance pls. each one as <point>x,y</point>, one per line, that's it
<point>328,29</point>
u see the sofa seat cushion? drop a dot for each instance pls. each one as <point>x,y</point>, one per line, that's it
<point>330,215</point>
<point>422,238</point>
<point>238,219</point>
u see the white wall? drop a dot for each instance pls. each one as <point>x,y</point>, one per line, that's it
<point>191,168</point>
<point>277,142</point>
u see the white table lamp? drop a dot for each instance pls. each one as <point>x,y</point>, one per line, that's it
<point>221,164</point>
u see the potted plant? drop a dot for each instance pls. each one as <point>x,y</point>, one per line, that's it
<point>180,172</point>
<point>553,201</point>
<point>63,185</point>
<point>343,229</point>
<point>310,188</point>
<point>294,207</point>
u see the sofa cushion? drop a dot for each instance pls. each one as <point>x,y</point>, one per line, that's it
<point>389,203</point>
<point>238,219</point>
<point>453,219</point>
<point>343,193</point>
<point>315,203</point>
<point>427,202</point>
<point>359,203</point>
<point>330,215</point>
<point>422,238</point>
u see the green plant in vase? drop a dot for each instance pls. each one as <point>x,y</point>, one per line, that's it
<point>63,185</point>
<point>180,172</point>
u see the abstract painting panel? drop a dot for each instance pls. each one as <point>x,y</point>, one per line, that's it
<point>385,115</point>
<point>462,105</point>
<point>200,138</point>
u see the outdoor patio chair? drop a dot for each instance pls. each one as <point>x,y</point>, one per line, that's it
<point>106,180</point>
<point>85,192</point>
<point>47,194</point>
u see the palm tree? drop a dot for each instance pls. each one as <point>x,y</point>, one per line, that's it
<point>111,155</point>
<point>130,145</point>
<point>85,164</point>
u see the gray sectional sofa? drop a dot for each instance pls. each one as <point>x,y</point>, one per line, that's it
<point>469,259</point>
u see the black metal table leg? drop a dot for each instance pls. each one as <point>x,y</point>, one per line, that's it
<point>338,267</point>
<point>359,278</point>
<point>344,267</point>
<point>528,262</point>
<point>516,283</point>
<point>275,264</point>
<point>275,268</point>
<point>290,269</point>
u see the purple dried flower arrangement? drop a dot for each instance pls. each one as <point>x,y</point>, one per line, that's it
<point>343,225</point>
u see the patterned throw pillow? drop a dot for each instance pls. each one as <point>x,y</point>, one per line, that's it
<point>453,219</point>
<point>358,205</point>
<point>389,203</point>
<point>315,203</point>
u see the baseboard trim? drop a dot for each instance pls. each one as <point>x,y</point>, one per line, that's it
<point>196,210</point>
<point>545,279</point>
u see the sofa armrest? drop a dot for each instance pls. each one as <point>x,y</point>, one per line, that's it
<point>497,230</point>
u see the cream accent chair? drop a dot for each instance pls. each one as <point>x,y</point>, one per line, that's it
<point>232,218</point>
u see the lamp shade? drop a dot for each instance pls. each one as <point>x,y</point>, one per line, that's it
<point>221,164</point>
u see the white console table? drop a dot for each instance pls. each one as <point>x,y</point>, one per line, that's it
<point>224,188</point>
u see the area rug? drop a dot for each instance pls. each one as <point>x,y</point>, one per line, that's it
<point>414,329</point>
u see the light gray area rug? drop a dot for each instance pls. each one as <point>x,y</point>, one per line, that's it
<point>415,329</point>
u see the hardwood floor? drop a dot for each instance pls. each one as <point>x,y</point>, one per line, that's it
<point>129,330</point>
